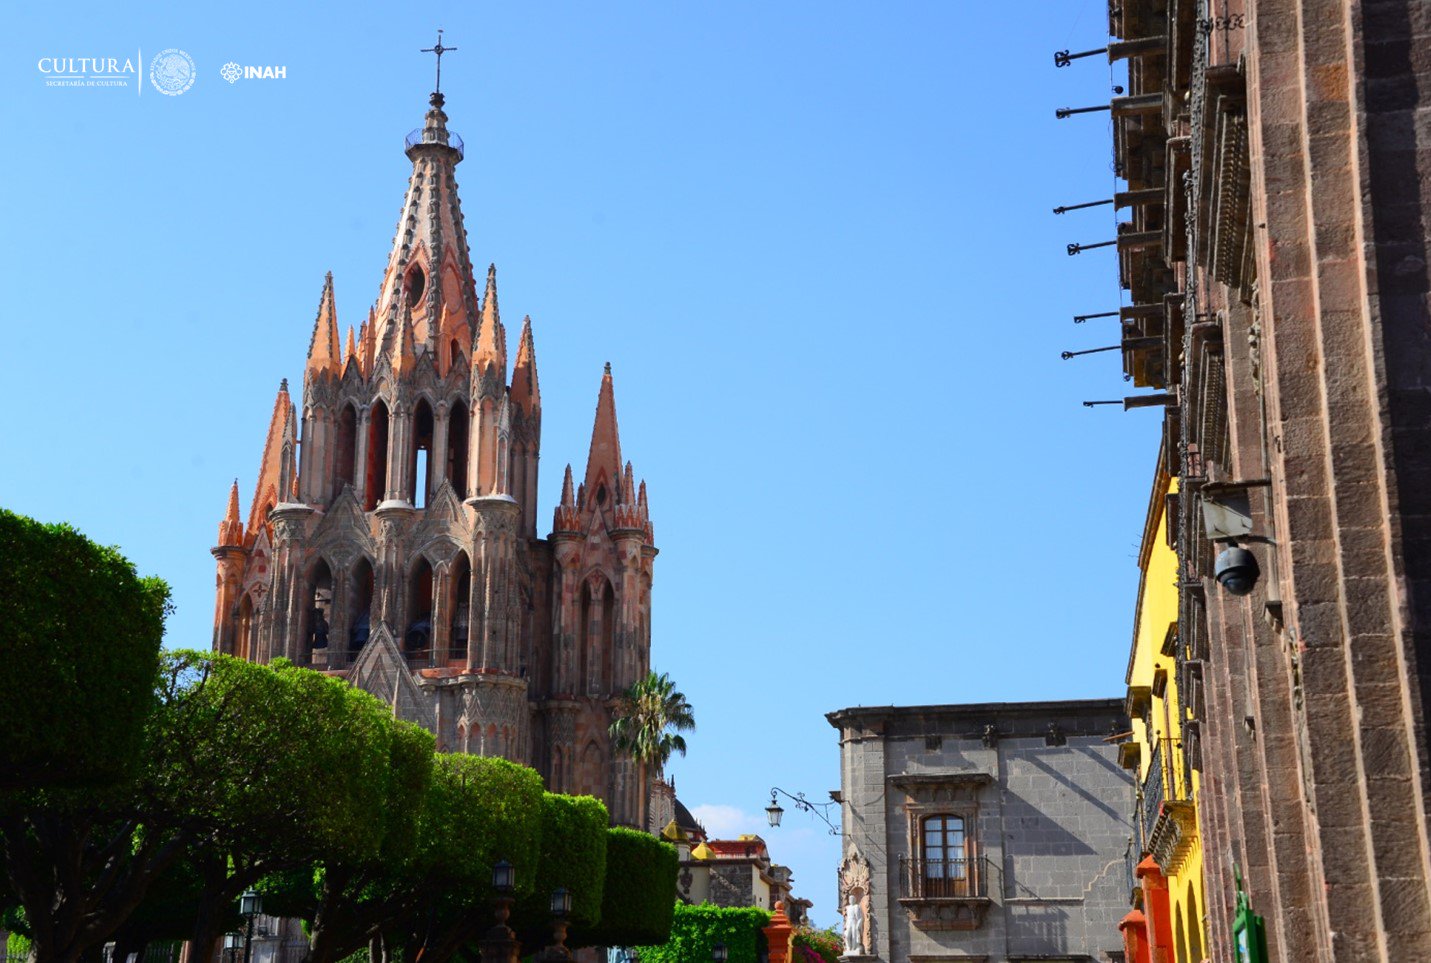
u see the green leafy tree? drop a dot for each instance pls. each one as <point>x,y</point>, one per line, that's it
<point>308,762</point>
<point>79,644</point>
<point>475,811</point>
<point>649,721</point>
<point>246,769</point>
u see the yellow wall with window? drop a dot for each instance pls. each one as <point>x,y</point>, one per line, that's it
<point>1156,749</point>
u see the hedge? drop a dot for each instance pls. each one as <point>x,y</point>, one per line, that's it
<point>639,898</point>
<point>573,855</point>
<point>696,929</point>
<point>480,810</point>
<point>79,647</point>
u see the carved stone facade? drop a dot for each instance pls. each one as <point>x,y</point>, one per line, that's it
<point>392,538</point>
<point>1278,165</point>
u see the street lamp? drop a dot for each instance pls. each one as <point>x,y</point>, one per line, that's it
<point>500,944</point>
<point>719,953</point>
<point>504,877</point>
<point>250,905</point>
<point>232,942</point>
<point>773,812</point>
<point>561,911</point>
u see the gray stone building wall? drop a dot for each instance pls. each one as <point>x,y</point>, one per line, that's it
<point>1044,808</point>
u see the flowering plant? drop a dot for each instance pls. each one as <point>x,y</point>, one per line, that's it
<point>818,946</point>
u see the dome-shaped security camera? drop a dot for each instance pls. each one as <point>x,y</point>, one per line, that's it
<point>1236,570</point>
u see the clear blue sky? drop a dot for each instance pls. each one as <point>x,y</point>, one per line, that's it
<point>813,239</point>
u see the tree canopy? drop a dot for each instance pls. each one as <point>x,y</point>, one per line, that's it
<point>79,641</point>
<point>139,809</point>
<point>650,717</point>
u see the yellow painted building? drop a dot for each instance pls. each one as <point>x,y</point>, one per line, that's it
<point>1167,921</point>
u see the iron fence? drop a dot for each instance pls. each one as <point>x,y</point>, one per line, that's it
<point>965,877</point>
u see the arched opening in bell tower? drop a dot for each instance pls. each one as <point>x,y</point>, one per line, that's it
<point>419,464</point>
<point>458,425</point>
<point>583,649</point>
<point>461,608</point>
<point>375,481</point>
<point>417,636</point>
<point>345,462</point>
<point>320,609</point>
<point>608,638</point>
<point>247,628</point>
<point>360,607</point>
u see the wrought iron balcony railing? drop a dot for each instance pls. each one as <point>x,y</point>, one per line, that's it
<point>964,878</point>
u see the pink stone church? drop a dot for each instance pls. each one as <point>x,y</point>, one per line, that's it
<point>392,537</point>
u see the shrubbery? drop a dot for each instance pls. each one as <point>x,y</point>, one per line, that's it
<point>818,946</point>
<point>140,794</point>
<point>696,929</point>
<point>639,899</point>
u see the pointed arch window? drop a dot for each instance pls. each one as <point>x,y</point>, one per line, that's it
<point>360,606</point>
<point>375,479</point>
<point>417,636</point>
<point>458,426</point>
<point>345,462</point>
<point>319,611</point>
<point>461,614</point>
<point>419,466</point>
<point>598,621</point>
<point>247,629</point>
<point>608,639</point>
<point>416,284</point>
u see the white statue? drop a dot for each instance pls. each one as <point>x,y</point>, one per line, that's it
<point>854,927</point>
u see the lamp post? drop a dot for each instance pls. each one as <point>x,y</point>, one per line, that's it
<point>719,954</point>
<point>561,912</point>
<point>250,905</point>
<point>500,944</point>
<point>232,942</point>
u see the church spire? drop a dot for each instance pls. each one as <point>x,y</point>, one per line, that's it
<point>267,491</point>
<point>367,343</point>
<point>323,353</point>
<point>525,391</point>
<point>491,346</point>
<point>405,353</point>
<point>430,267</point>
<point>231,528</point>
<point>603,460</point>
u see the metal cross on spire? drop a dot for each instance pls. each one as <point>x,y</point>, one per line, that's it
<point>439,50</point>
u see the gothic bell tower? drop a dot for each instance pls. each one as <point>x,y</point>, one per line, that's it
<point>392,535</point>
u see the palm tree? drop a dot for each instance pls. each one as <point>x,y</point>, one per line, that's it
<point>649,721</point>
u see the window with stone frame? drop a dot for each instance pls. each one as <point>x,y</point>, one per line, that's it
<point>944,855</point>
<point>942,809</point>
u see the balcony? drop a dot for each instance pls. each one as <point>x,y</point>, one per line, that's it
<point>945,894</point>
<point>1169,819</point>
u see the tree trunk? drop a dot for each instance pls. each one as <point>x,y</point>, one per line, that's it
<point>643,798</point>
